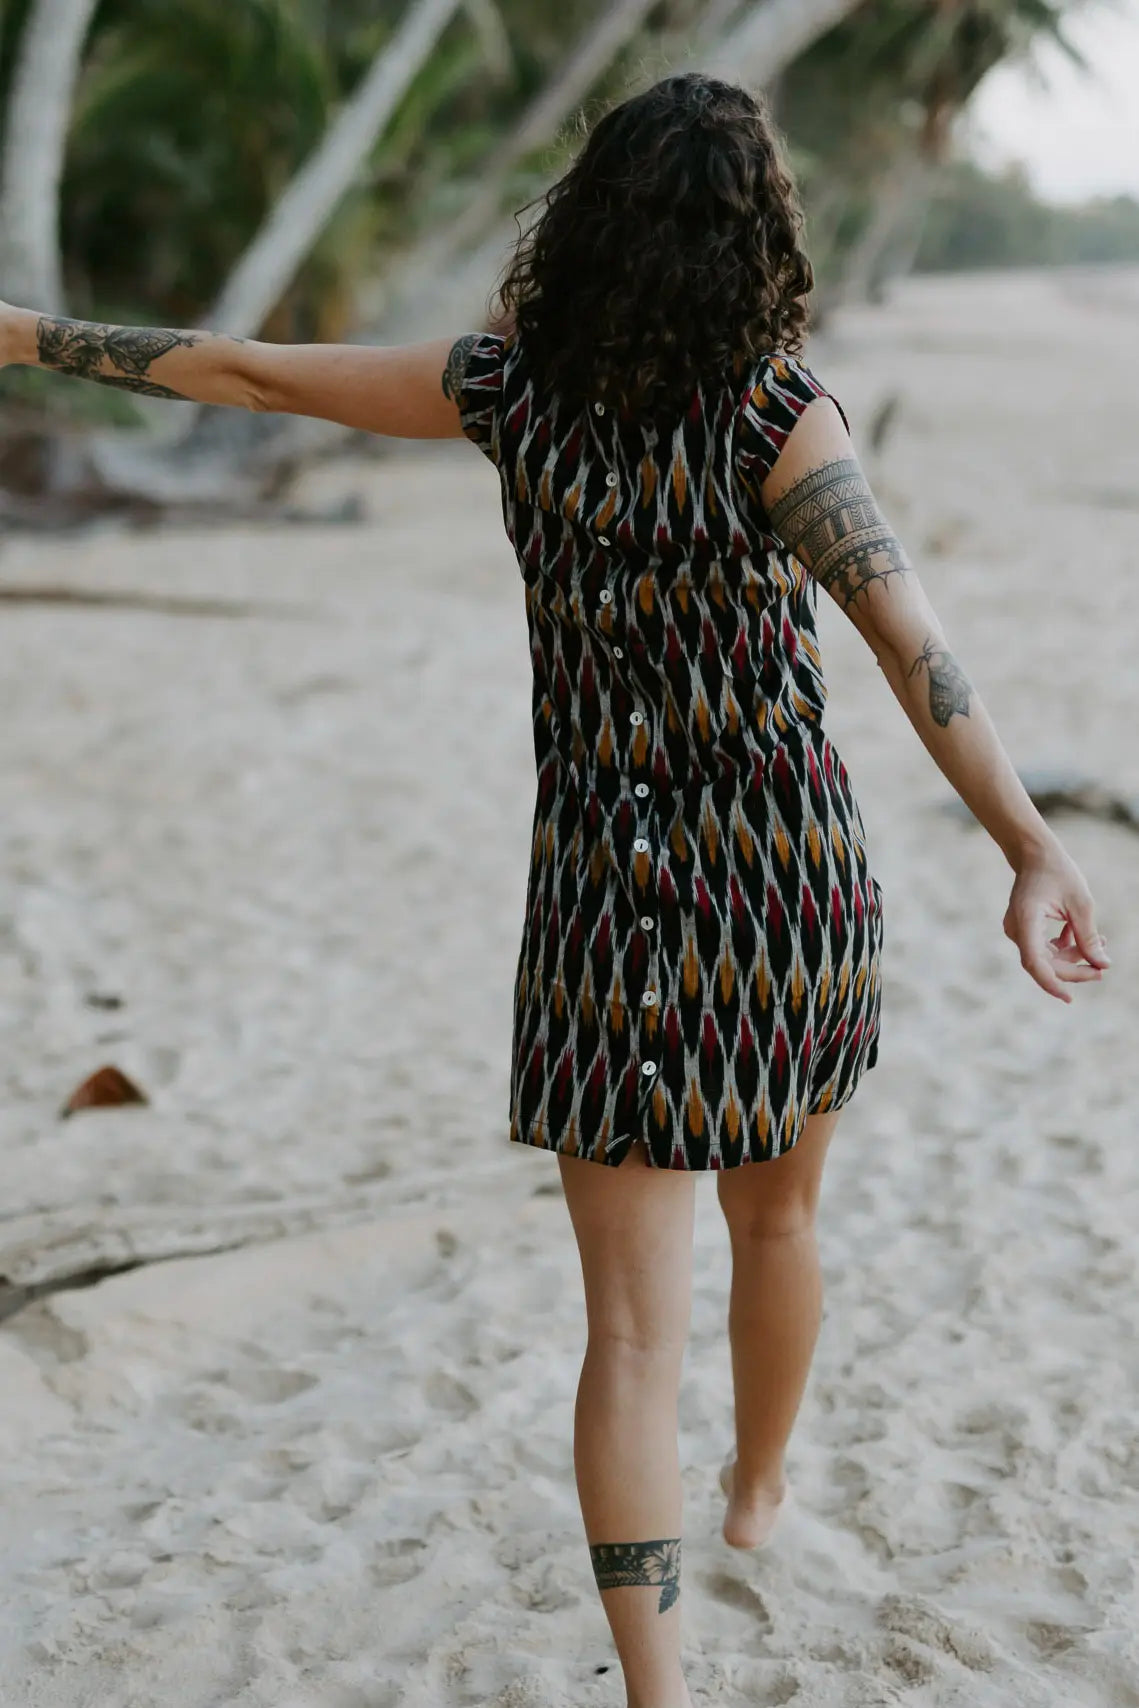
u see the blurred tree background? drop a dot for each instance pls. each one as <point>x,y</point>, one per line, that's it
<point>158,171</point>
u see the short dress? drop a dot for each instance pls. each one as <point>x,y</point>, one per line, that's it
<point>700,956</point>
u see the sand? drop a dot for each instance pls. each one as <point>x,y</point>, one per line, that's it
<point>313,1450</point>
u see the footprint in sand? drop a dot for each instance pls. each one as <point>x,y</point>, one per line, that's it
<point>269,1387</point>
<point>742,1598</point>
<point>918,1623</point>
<point>398,1561</point>
<point>447,1394</point>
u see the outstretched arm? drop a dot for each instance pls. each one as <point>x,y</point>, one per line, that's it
<point>819,503</point>
<point>408,391</point>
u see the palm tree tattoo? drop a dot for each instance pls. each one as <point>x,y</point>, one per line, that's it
<point>617,1565</point>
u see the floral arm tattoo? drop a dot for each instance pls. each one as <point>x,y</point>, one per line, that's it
<point>618,1565</point>
<point>455,373</point>
<point>118,356</point>
<point>831,520</point>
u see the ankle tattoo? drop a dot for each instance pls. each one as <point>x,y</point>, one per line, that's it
<point>617,1565</point>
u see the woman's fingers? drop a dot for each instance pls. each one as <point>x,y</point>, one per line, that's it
<point>1031,937</point>
<point>1076,972</point>
<point>1080,919</point>
<point>1045,896</point>
<point>1052,961</point>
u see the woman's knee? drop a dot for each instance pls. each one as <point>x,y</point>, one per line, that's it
<point>778,1199</point>
<point>784,1218</point>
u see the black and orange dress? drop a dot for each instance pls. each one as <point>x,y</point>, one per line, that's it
<point>700,956</point>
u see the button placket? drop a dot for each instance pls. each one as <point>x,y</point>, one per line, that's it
<point>649,1017</point>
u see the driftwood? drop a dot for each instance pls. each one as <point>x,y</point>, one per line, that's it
<point>232,465</point>
<point>166,605</point>
<point>1054,792</point>
<point>52,1251</point>
<point>883,420</point>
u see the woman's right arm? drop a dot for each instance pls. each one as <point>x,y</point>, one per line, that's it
<point>819,503</point>
<point>405,390</point>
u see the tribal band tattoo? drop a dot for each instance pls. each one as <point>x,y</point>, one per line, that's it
<point>949,687</point>
<point>81,347</point>
<point>831,521</point>
<point>617,1565</point>
<point>455,373</point>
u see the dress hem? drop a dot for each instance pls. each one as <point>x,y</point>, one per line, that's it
<point>532,1142</point>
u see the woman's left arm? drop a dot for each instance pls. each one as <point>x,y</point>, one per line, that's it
<point>409,391</point>
<point>819,503</point>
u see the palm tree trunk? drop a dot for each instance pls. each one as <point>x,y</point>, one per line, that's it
<point>35,141</point>
<point>771,36</point>
<point>265,270</point>
<point>433,289</point>
<point>904,189</point>
<point>539,123</point>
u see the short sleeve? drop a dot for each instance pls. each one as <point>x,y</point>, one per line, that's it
<point>781,388</point>
<point>475,366</point>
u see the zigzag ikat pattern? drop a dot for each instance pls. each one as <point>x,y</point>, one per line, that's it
<point>701,950</point>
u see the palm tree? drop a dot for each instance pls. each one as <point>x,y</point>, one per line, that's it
<point>310,198</point>
<point>433,288</point>
<point>872,109</point>
<point>35,138</point>
<point>771,36</point>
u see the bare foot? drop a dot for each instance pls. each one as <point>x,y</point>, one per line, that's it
<point>748,1523</point>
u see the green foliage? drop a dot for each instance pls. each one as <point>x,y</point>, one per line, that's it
<point>978,219</point>
<point>887,81</point>
<point>191,117</point>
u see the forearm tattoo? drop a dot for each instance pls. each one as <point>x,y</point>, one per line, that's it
<point>831,521</point>
<point>83,347</point>
<point>455,373</point>
<point>617,1565</point>
<point>949,687</point>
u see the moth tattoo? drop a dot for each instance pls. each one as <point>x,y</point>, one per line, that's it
<point>949,687</point>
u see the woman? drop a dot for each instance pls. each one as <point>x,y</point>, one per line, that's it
<point>698,985</point>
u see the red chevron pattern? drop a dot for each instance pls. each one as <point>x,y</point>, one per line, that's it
<point>700,957</point>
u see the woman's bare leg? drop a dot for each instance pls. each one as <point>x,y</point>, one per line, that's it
<point>773,1317</point>
<point>634,1232</point>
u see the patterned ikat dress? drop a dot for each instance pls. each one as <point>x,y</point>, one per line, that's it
<point>701,947</point>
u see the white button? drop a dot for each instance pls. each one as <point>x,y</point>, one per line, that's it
<point>648,1067</point>
<point>611,478</point>
<point>646,922</point>
<point>605,596</point>
<point>641,789</point>
<point>641,845</point>
<point>636,717</point>
<point>649,998</point>
<point>618,652</point>
<point>599,409</point>
<point>603,539</point>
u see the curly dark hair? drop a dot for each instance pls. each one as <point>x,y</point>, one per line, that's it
<point>668,253</point>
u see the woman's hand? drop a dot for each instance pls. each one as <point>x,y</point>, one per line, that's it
<point>1050,888</point>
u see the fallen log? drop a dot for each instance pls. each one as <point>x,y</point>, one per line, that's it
<point>1053,792</point>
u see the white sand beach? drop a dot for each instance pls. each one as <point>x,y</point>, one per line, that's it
<point>314,1449</point>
